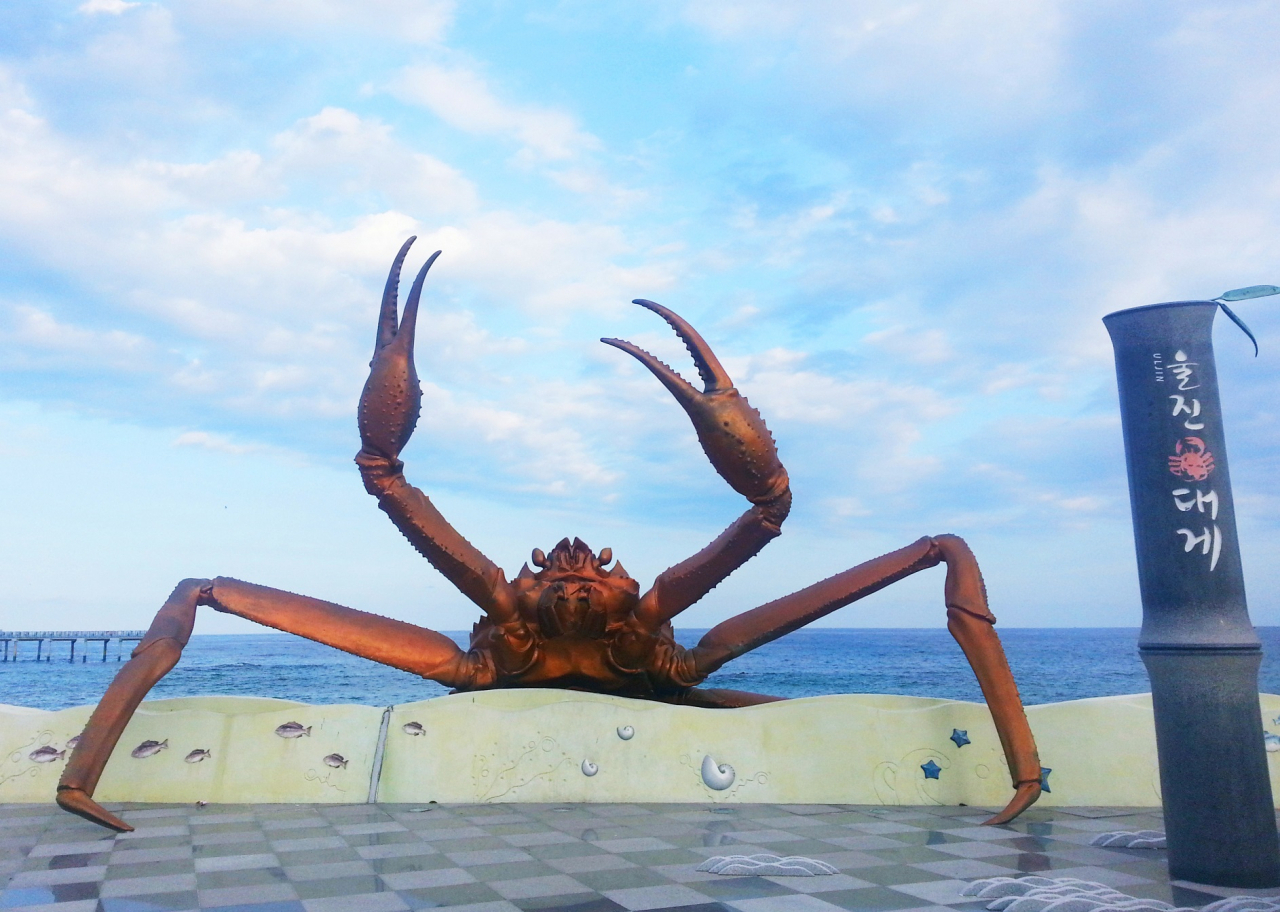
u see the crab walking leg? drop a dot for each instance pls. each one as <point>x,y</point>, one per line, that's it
<point>720,698</point>
<point>968,618</point>
<point>973,626</point>
<point>151,660</point>
<point>414,649</point>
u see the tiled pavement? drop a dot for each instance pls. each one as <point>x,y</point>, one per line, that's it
<point>578,858</point>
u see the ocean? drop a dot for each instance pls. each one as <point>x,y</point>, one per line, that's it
<point>1050,665</point>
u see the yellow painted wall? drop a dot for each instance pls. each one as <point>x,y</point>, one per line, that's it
<point>530,745</point>
<point>248,762</point>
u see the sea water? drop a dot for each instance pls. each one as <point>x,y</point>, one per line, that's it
<point>1050,665</point>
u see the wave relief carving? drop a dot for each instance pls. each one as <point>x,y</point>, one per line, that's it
<point>495,777</point>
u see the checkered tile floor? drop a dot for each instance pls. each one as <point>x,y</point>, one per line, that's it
<point>578,858</point>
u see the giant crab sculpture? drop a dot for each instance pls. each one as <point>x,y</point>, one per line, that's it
<point>574,623</point>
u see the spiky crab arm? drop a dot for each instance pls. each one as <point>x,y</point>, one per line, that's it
<point>741,450</point>
<point>388,413</point>
<point>678,587</point>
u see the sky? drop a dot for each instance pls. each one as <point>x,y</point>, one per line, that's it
<point>897,223</point>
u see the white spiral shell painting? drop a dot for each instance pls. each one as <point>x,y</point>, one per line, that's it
<point>717,776</point>
<point>589,768</point>
<point>626,732</point>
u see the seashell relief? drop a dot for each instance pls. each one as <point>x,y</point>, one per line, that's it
<point>589,768</point>
<point>717,776</point>
<point>626,732</point>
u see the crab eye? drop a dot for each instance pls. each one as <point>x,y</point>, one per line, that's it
<point>606,555</point>
<point>539,558</point>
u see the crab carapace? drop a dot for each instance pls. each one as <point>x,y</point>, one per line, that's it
<point>575,622</point>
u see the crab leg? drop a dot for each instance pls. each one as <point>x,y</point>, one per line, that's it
<point>720,698</point>
<point>414,649</point>
<point>742,451</point>
<point>968,618</point>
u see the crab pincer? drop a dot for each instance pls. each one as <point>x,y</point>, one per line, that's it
<point>732,433</point>
<point>392,397</point>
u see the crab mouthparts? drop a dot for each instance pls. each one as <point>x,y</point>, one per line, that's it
<point>565,609</point>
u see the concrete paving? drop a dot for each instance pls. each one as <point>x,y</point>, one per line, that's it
<point>577,858</point>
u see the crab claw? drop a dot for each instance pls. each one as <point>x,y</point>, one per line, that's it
<point>392,397</point>
<point>732,433</point>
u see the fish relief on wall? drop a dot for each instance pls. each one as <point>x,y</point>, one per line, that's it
<point>334,764</point>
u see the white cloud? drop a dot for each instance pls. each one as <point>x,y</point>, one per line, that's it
<point>238,176</point>
<point>269,314</point>
<point>463,99</point>
<point>219,443</point>
<point>421,22</point>
<point>915,344</point>
<point>897,222</point>
<point>36,337</point>
<point>112,7</point>
<point>355,155</point>
<point>142,53</point>
<point>985,56</point>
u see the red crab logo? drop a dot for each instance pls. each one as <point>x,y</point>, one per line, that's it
<point>1192,461</point>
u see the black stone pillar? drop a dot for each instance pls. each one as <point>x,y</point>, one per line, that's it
<point>1199,647</point>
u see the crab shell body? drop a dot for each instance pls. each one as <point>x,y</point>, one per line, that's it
<point>581,633</point>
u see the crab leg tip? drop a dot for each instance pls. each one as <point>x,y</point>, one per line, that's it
<point>78,802</point>
<point>1026,795</point>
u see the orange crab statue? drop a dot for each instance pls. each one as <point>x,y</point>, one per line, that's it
<point>575,622</point>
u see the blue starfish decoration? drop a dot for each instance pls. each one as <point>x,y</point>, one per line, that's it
<point>1044,778</point>
<point>931,770</point>
<point>960,736</point>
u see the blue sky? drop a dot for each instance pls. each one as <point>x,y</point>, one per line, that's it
<point>898,224</point>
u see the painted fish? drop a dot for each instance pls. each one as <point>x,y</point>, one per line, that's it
<point>197,755</point>
<point>337,761</point>
<point>293,730</point>
<point>46,754</point>
<point>1272,742</point>
<point>71,745</point>
<point>413,728</point>
<point>149,749</point>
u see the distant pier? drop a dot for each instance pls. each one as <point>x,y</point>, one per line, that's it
<point>11,643</point>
